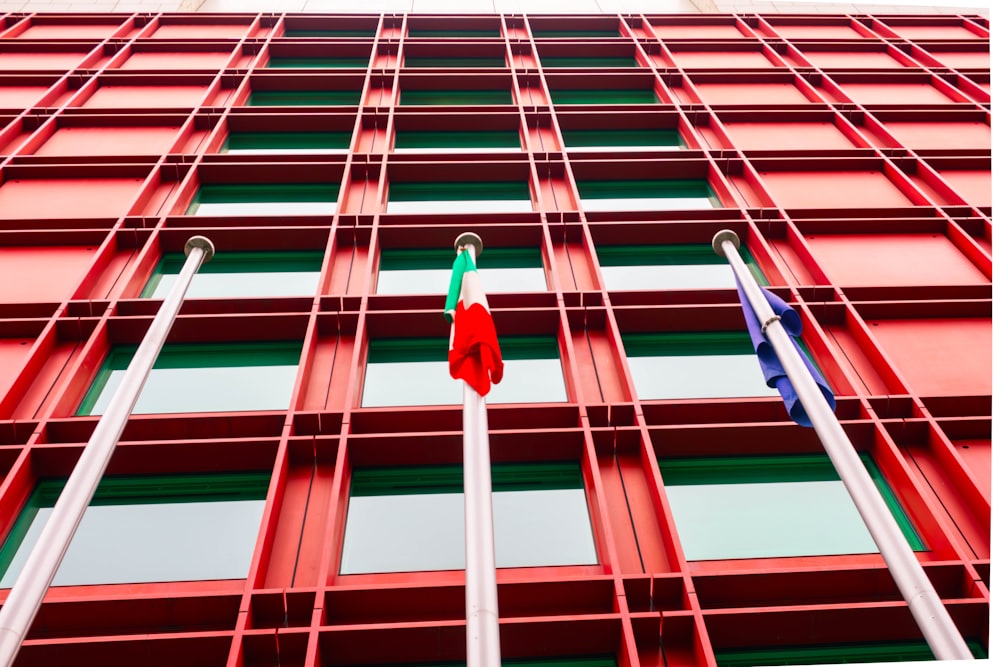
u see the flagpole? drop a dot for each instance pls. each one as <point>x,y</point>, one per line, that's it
<point>40,568</point>
<point>929,612</point>
<point>482,616</point>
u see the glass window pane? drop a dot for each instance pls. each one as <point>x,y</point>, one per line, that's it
<point>456,142</point>
<point>329,33</point>
<point>270,143</point>
<point>645,195</point>
<point>412,519</point>
<point>767,506</point>
<point>463,197</point>
<point>241,274</point>
<point>697,365</point>
<point>414,371</point>
<point>412,61</point>
<point>454,97</point>
<point>548,34</point>
<point>836,654</point>
<point>603,96</point>
<point>661,267</point>
<point>300,98</point>
<point>613,140</point>
<point>151,528</point>
<point>460,32</point>
<point>323,63</point>
<point>597,61</point>
<point>501,270</point>
<point>265,199</point>
<point>203,378</point>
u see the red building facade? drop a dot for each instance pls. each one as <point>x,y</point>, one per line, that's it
<point>285,493</point>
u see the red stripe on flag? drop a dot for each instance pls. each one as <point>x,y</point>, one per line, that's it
<point>475,352</point>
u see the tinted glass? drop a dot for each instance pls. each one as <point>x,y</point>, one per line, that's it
<point>249,274</point>
<point>510,270</point>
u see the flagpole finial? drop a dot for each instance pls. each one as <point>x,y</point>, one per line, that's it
<point>204,244</point>
<point>469,238</point>
<point>720,237</point>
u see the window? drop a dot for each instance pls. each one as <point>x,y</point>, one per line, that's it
<point>271,143</point>
<point>770,506</point>
<point>418,61</point>
<point>317,63</point>
<point>603,96</point>
<point>149,528</point>
<point>429,271</point>
<point>661,267</point>
<point>241,274</point>
<point>330,33</point>
<point>645,195</point>
<point>456,142</point>
<point>459,197</point>
<point>454,97</point>
<point>412,519</point>
<point>265,199</point>
<point>549,34</point>
<point>453,32</point>
<point>414,371</point>
<point>623,140</point>
<point>718,364</point>
<point>203,378</point>
<point>834,654</point>
<point>593,61</point>
<point>303,98</point>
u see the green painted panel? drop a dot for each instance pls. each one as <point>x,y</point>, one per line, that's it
<point>317,63</point>
<point>597,61</point>
<point>767,507</point>
<point>450,140</point>
<point>203,378</point>
<point>149,528</point>
<point>412,61</point>
<point>286,142</point>
<point>660,138</point>
<point>303,98</point>
<point>835,654</point>
<point>241,274</point>
<point>411,519</point>
<point>454,97</point>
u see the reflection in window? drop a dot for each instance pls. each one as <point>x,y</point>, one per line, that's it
<point>241,274</point>
<point>411,519</point>
<point>265,199</point>
<point>207,377</point>
<point>646,195</point>
<point>414,371</point>
<point>459,197</point>
<point>501,270</point>
<point>148,529</point>
<point>769,506</point>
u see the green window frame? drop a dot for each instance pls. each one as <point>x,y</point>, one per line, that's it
<point>646,195</point>
<point>603,96</point>
<point>457,62</point>
<point>902,651</point>
<point>709,364</point>
<point>414,371</point>
<point>501,270</point>
<point>299,34</point>
<point>668,267</point>
<point>149,528</point>
<point>459,197</point>
<point>589,61</point>
<point>303,98</point>
<point>457,141</point>
<point>248,199</point>
<point>241,274</point>
<point>432,97</point>
<point>410,519</point>
<point>623,140</point>
<point>272,143</point>
<point>317,63</point>
<point>770,507</point>
<point>203,377</point>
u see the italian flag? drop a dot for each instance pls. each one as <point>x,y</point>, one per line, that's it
<point>474,352</point>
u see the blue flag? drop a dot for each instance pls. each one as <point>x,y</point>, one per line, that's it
<point>774,373</point>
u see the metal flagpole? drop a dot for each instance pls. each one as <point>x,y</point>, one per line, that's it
<point>36,576</point>
<point>930,613</point>
<point>482,615</point>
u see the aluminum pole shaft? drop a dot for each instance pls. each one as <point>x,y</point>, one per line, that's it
<point>929,612</point>
<point>36,576</point>
<point>482,614</point>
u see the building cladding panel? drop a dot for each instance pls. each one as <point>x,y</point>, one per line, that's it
<point>654,504</point>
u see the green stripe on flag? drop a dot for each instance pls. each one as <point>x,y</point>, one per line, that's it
<point>463,263</point>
